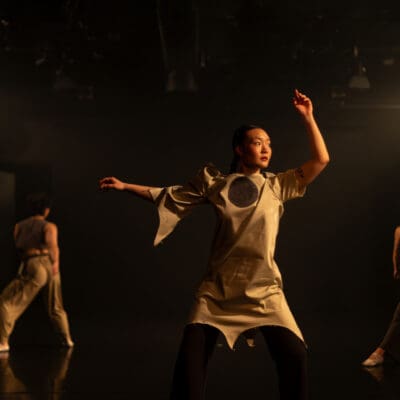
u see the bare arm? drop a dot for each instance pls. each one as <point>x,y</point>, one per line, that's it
<point>111,182</point>
<point>15,234</point>
<point>319,153</point>
<point>51,240</point>
<point>396,271</point>
<point>16,230</point>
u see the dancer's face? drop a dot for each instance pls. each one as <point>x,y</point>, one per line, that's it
<point>255,153</point>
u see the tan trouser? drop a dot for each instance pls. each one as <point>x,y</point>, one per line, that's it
<point>35,275</point>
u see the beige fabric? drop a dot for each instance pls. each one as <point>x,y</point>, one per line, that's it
<point>35,275</point>
<point>242,288</point>
<point>30,234</point>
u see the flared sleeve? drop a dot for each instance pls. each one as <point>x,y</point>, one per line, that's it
<point>176,202</point>
<point>286,186</point>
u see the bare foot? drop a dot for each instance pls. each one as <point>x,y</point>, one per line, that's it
<point>4,347</point>
<point>375,359</point>
<point>68,343</point>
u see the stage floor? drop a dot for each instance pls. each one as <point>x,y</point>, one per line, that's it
<point>128,360</point>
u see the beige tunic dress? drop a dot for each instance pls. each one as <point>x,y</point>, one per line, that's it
<point>242,288</point>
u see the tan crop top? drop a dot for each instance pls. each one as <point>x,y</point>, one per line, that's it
<point>30,234</point>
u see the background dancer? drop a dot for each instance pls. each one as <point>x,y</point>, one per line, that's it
<point>37,245</point>
<point>242,289</point>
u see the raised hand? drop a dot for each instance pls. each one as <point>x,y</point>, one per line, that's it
<point>302,103</point>
<point>111,182</point>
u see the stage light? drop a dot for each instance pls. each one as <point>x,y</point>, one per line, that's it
<point>359,80</point>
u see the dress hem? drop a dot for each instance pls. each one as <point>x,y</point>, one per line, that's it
<point>231,344</point>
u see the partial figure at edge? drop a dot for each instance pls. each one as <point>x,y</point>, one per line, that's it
<point>391,341</point>
<point>36,241</point>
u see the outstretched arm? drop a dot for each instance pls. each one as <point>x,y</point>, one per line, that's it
<point>51,240</point>
<point>396,256</point>
<point>319,153</point>
<point>111,182</point>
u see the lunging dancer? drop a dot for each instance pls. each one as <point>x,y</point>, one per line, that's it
<point>37,245</point>
<point>242,289</point>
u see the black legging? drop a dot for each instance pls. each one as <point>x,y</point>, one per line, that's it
<point>197,346</point>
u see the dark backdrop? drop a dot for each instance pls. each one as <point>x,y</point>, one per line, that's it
<point>334,246</point>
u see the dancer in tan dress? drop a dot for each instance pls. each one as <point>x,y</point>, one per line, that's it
<point>391,341</point>
<point>242,289</point>
<point>37,245</point>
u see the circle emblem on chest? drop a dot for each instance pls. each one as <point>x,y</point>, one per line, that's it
<point>242,192</point>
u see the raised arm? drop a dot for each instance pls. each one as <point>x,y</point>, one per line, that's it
<point>111,182</point>
<point>319,153</point>
<point>396,256</point>
<point>51,240</point>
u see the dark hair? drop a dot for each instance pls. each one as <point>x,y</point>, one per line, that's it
<point>37,203</point>
<point>238,138</point>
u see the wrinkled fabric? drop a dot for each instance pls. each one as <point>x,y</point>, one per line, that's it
<point>242,288</point>
<point>35,275</point>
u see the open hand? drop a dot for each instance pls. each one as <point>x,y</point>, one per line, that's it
<point>302,103</point>
<point>110,182</point>
<point>396,274</point>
